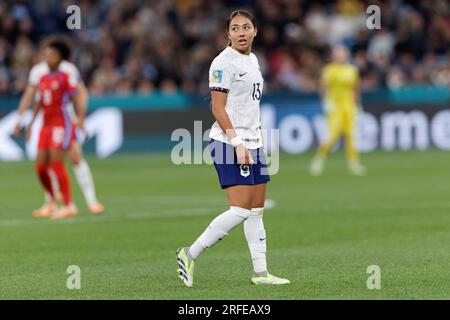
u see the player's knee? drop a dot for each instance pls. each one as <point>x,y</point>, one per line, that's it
<point>241,203</point>
<point>75,161</point>
<point>241,212</point>
<point>218,230</point>
<point>258,206</point>
<point>76,154</point>
<point>76,158</point>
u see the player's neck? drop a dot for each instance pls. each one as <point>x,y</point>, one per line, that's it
<point>53,68</point>
<point>244,52</point>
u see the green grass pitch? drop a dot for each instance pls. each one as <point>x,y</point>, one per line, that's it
<point>323,233</point>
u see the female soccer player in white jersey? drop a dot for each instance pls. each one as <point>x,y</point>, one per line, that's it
<point>236,85</point>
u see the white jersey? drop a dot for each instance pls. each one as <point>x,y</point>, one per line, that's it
<point>41,69</point>
<point>238,75</point>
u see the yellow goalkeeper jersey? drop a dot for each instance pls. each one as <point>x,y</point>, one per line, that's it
<point>340,81</point>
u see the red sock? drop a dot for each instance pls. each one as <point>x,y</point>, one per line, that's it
<point>63,180</point>
<point>44,177</point>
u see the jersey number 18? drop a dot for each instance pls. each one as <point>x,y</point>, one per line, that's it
<point>47,97</point>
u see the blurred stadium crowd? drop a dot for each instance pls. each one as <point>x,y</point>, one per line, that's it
<point>144,45</point>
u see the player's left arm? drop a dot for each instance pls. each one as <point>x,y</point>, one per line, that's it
<point>80,99</point>
<point>324,85</point>
<point>79,94</point>
<point>25,102</point>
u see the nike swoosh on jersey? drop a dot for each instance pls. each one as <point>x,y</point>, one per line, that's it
<point>242,74</point>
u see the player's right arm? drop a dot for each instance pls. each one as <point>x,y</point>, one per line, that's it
<point>323,90</point>
<point>218,102</point>
<point>219,83</point>
<point>24,104</point>
<point>36,109</point>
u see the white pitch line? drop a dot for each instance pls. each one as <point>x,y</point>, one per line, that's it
<point>113,217</point>
<point>214,210</point>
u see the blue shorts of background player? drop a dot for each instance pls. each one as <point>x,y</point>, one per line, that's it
<point>231,173</point>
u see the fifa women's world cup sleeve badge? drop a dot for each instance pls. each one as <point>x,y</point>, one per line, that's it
<point>216,76</point>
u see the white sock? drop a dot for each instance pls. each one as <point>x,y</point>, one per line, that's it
<point>256,239</point>
<point>47,197</point>
<point>55,187</point>
<point>218,229</point>
<point>84,179</point>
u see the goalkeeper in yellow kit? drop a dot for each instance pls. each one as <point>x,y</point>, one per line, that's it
<point>341,102</point>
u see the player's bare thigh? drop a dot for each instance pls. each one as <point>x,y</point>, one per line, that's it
<point>76,153</point>
<point>259,195</point>
<point>247,197</point>
<point>43,156</point>
<point>58,154</point>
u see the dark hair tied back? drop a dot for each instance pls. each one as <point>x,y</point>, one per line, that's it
<point>61,46</point>
<point>243,13</point>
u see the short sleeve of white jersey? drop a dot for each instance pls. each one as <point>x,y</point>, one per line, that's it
<point>41,69</point>
<point>220,75</point>
<point>36,73</point>
<point>71,70</point>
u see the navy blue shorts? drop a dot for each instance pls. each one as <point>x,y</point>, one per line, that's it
<point>231,173</point>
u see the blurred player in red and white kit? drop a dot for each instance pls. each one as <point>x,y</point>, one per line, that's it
<point>57,53</point>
